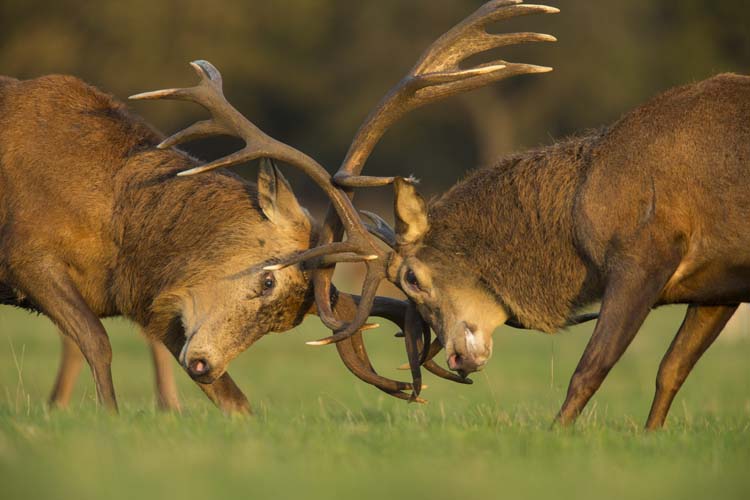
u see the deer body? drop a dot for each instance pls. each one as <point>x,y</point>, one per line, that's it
<point>94,223</point>
<point>652,210</point>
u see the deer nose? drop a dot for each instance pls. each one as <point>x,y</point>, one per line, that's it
<point>465,364</point>
<point>469,353</point>
<point>198,368</point>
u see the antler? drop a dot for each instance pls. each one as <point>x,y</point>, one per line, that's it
<point>354,354</point>
<point>416,335</point>
<point>227,120</point>
<point>358,247</point>
<point>436,76</point>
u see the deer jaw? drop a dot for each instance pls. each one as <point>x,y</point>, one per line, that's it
<point>223,317</point>
<point>455,304</point>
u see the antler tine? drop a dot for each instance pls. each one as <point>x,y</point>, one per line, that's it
<point>427,361</point>
<point>227,120</point>
<point>381,228</point>
<point>396,311</point>
<point>348,351</point>
<point>470,37</point>
<point>441,372</point>
<point>437,75</point>
<point>413,328</point>
<point>435,369</point>
<point>373,277</point>
<point>354,355</point>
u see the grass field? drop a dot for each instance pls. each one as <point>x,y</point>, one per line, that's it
<point>320,433</point>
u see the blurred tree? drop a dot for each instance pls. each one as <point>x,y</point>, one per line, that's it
<point>308,71</point>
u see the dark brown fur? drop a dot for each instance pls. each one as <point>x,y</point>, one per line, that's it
<point>524,202</point>
<point>652,210</point>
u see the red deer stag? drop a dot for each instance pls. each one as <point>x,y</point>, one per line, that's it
<point>94,223</point>
<point>645,212</point>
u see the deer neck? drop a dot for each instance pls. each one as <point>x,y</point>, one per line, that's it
<point>514,224</point>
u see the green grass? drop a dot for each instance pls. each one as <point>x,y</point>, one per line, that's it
<point>320,433</point>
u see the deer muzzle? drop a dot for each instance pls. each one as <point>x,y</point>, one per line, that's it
<point>469,349</point>
<point>198,362</point>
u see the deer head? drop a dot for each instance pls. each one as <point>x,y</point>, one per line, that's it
<point>277,284</point>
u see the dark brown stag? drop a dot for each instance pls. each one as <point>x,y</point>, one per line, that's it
<point>651,210</point>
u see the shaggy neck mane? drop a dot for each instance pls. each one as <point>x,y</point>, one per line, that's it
<point>176,227</point>
<point>512,224</point>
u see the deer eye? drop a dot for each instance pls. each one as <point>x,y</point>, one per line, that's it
<point>268,283</point>
<point>411,279</point>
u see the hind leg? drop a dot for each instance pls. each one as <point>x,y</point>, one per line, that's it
<point>699,329</point>
<point>71,362</point>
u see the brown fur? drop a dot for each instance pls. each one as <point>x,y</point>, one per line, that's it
<point>89,207</point>
<point>492,219</point>
<point>651,210</point>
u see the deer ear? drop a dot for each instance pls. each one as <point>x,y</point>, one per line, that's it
<point>411,213</point>
<point>276,198</point>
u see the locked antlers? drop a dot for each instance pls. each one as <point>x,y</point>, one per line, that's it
<point>437,74</point>
<point>359,246</point>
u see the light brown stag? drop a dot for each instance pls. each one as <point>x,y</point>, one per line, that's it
<point>94,222</point>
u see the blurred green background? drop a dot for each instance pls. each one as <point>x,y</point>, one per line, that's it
<point>307,72</point>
